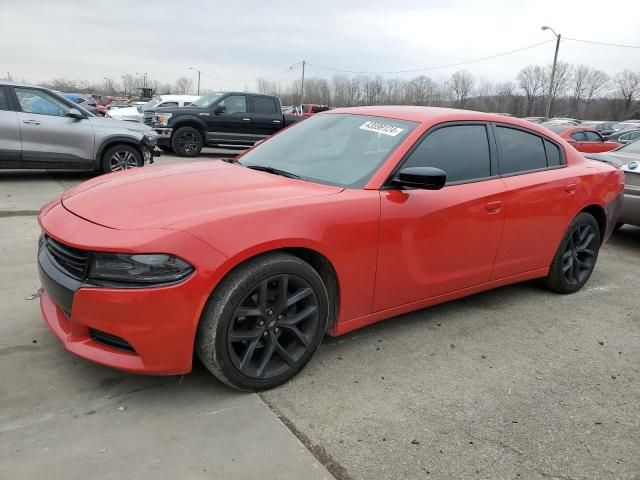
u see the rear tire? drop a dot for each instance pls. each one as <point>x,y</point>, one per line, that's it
<point>576,256</point>
<point>263,322</point>
<point>121,157</point>
<point>187,142</point>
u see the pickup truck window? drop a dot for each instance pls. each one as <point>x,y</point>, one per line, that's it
<point>264,105</point>
<point>235,104</point>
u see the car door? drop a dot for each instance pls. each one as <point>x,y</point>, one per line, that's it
<point>578,140</point>
<point>433,242</point>
<point>539,201</point>
<point>266,115</point>
<point>594,142</point>
<point>10,143</point>
<point>231,125</point>
<point>50,138</point>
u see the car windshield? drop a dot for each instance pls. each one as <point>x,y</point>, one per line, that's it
<point>557,128</point>
<point>633,147</point>
<point>207,100</point>
<point>333,149</point>
<point>149,105</point>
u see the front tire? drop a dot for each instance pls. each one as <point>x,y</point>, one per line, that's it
<point>576,256</point>
<point>263,323</point>
<point>187,142</point>
<point>121,157</point>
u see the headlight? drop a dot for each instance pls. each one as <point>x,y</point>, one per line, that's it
<point>147,269</point>
<point>161,119</point>
<point>151,138</point>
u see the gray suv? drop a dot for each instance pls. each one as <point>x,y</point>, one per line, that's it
<point>41,129</point>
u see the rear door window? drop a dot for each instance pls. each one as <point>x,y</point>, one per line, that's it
<point>553,154</point>
<point>462,151</point>
<point>592,137</point>
<point>264,105</point>
<point>578,136</point>
<point>519,151</point>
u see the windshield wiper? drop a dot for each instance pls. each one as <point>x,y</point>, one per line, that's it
<point>275,171</point>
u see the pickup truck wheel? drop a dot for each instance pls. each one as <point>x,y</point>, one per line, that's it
<point>121,157</point>
<point>187,142</point>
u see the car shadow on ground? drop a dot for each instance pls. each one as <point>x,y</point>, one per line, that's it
<point>628,236</point>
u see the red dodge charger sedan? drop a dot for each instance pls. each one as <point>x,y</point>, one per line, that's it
<point>348,218</point>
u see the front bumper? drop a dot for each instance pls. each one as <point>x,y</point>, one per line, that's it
<point>138,330</point>
<point>164,135</point>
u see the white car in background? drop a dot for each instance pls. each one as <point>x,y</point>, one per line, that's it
<point>134,113</point>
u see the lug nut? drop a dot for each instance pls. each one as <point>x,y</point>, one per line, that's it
<point>269,312</point>
<point>261,323</point>
<point>276,330</point>
<point>265,334</point>
<point>279,317</point>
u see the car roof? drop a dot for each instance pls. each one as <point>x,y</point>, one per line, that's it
<point>178,97</point>
<point>429,114</point>
<point>19,84</point>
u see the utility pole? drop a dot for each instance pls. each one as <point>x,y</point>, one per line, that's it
<point>553,71</point>
<point>304,62</point>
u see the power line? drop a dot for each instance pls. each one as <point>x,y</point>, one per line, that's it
<point>601,43</point>
<point>437,67</point>
<point>253,79</point>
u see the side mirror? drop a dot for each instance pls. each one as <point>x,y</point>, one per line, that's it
<point>220,109</point>
<point>75,113</point>
<point>427,178</point>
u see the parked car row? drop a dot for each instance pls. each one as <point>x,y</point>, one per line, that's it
<point>136,112</point>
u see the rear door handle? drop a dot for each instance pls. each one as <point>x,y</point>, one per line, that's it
<point>277,121</point>
<point>246,119</point>
<point>493,207</point>
<point>31,122</point>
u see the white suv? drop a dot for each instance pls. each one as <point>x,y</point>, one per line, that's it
<point>135,113</point>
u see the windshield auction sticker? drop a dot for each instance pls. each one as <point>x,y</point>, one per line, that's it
<point>383,128</point>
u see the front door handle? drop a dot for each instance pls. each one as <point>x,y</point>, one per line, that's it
<point>277,121</point>
<point>31,122</point>
<point>246,119</point>
<point>493,207</point>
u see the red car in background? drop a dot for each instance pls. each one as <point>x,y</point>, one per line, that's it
<point>307,109</point>
<point>348,218</point>
<point>587,140</point>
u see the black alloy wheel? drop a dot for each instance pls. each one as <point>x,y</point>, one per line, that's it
<point>576,256</point>
<point>579,256</point>
<point>187,142</point>
<point>263,322</point>
<point>273,326</point>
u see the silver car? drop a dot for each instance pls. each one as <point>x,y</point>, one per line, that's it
<point>628,158</point>
<point>41,129</point>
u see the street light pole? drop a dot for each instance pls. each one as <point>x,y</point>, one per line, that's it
<point>196,70</point>
<point>304,62</point>
<point>553,70</point>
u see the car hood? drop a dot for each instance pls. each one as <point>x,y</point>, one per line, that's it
<point>125,111</point>
<point>158,197</point>
<point>114,124</point>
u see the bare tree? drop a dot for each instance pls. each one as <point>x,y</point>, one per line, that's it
<point>340,84</point>
<point>596,82</point>
<point>420,90</point>
<point>183,85</point>
<point>461,85</point>
<point>579,87</point>
<point>628,85</point>
<point>129,84</point>
<point>504,95</point>
<point>531,80</point>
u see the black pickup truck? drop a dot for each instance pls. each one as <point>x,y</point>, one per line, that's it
<point>229,119</point>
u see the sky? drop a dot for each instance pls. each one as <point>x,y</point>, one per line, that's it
<point>235,42</point>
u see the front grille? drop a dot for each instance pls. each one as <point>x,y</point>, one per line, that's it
<point>632,179</point>
<point>110,340</point>
<point>147,118</point>
<point>73,261</point>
